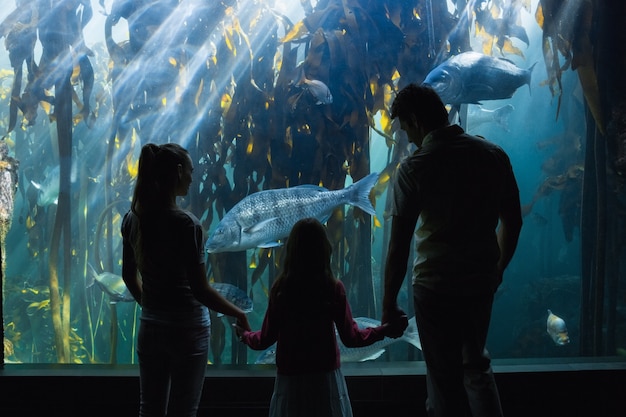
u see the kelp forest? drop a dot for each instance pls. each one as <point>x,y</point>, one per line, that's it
<point>269,94</point>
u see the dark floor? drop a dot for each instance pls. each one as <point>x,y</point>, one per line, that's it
<point>567,388</point>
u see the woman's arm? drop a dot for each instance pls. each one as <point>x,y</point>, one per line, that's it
<point>209,296</point>
<point>130,274</point>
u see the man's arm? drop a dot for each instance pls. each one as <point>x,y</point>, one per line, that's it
<point>396,265</point>
<point>508,233</point>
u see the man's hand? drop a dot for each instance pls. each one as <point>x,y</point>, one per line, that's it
<point>396,320</point>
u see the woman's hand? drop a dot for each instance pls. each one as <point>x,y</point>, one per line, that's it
<point>242,323</point>
<point>240,330</point>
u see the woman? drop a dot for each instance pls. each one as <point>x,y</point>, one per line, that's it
<point>306,303</point>
<point>164,269</point>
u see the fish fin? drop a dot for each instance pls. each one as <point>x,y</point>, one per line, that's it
<point>480,90</point>
<point>36,185</point>
<point>373,356</point>
<point>520,33</point>
<point>530,73</point>
<point>269,245</point>
<point>257,227</point>
<point>90,279</point>
<point>360,196</point>
<point>311,187</point>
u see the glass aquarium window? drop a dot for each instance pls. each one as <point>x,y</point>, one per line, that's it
<point>273,94</point>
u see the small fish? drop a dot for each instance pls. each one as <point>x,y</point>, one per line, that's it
<point>557,329</point>
<point>235,295</point>
<point>477,115</point>
<point>318,90</point>
<point>358,354</point>
<point>111,284</point>
<point>470,77</point>
<point>49,189</point>
<point>262,218</point>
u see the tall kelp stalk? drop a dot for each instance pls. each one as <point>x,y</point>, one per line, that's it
<point>603,217</point>
<point>60,304</point>
<point>60,33</point>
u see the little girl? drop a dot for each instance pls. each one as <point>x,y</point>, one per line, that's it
<point>306,304</point>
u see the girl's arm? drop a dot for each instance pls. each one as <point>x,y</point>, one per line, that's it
<point>348,330</point>
<point>267,336</point>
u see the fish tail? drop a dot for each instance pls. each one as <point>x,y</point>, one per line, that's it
<point>502,116</point>
<point>91,276</point>
<point>360,193</point>
<point>530,73</point>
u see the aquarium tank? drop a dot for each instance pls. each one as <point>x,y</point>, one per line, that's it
<point>273,94</point>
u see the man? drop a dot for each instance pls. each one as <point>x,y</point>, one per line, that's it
<point>459,187</point>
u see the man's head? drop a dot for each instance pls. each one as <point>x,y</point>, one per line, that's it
<point>419,110</point>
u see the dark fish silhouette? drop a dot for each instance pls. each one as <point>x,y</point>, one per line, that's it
<point>470,77</point>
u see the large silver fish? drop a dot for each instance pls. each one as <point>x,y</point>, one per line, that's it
<point>358,354</point>
<point>470,77</point>
<point>262,218</point>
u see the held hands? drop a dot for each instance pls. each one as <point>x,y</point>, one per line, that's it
<point>240,330</point>
<point>396,327</point>
<point>241,325</point>
<point>242,322</point>
<point>394,321</point>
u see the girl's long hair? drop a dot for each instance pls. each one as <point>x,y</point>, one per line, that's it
<point>156,178</point>
<point>306,280</point>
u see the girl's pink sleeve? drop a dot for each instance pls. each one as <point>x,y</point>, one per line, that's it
<point>267,336</point>
<point>348,330</point>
